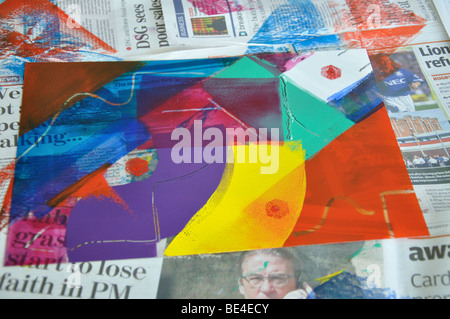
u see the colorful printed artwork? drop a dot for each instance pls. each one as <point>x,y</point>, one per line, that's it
<point>209,26</point>
<point>214,155</point>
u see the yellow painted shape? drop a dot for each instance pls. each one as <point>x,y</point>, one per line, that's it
<point>238,216</point>
<point>323,280</point>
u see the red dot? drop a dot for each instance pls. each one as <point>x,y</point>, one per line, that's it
<point>277,208</point>
<point>331,72</point>
<point>136,167</point>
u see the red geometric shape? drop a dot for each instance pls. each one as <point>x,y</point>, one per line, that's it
<point>136,167</point>
<point>358,189</point>
<point>331,72</point>
<point>396,28</point>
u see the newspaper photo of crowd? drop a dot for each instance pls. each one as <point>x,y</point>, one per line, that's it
<point>427,161</point>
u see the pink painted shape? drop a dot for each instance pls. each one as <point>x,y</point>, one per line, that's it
<point>212,7</point>
<point>38,242</point>
<point>293,62</point>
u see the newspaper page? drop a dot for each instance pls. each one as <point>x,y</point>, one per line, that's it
<point>443,8</point>
<point>131,27</point>
<point>320,23</point>
<point>417,97</point>
<point>417,268</point>
<point>112,279</point>
<point>75,30</point>
<point>433,180</point>
<point>385,269</point>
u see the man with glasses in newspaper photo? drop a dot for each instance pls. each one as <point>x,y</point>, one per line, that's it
<point>271,274</point>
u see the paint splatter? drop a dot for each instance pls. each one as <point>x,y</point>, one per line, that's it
<point>331,72</point>
<point>277,208</point>
<point>98,187</point>
<point>136,166</point>
<point>293,22</point>
<point>213,7</point>
<point>378,24</point>
<point>344,285</point>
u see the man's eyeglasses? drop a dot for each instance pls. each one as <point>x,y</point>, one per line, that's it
<point>276,280</point>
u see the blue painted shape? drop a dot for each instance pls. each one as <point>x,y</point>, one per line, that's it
<point>93,132</point>
<point>359,100</point>
<point>318,42</point>
<point>253,49</point>
<point>347,286</point>
<point>159,81</point>
<point>293,22</point>
<point>89,134</point>
<point>196,68</point>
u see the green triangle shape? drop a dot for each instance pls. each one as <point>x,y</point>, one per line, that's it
<point>308,119</point>
<point>245,68</point>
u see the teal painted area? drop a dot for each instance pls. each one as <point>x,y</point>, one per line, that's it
<point>245,68</point>
<point>309,119</point>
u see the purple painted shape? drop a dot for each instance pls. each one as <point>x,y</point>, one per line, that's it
<point>177,200</point>
<point>99,229</point>
<point>179,191</point>
<point>261,98</point>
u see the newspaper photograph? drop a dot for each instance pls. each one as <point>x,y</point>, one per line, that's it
<point>386,269</point>
<point>349,270</point>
